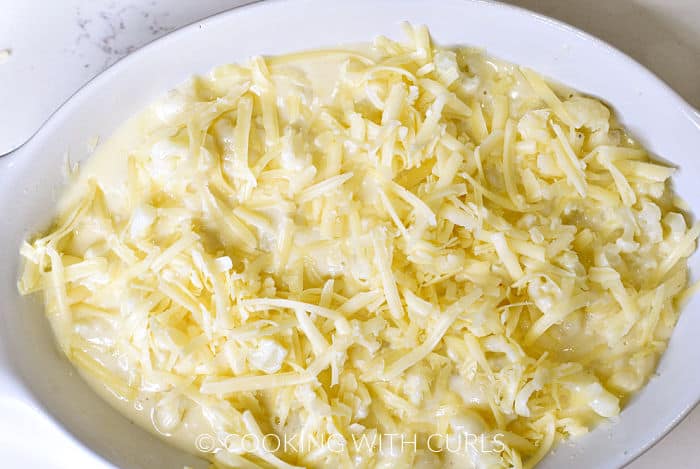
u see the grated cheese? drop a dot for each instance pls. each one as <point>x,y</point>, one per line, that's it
<point>352,243</point>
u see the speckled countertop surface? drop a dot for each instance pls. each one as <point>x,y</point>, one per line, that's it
<point>48,49</point>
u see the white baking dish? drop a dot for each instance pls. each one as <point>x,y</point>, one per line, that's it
<point>33,372</point>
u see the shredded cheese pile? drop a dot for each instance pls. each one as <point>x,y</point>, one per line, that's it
<point>426,241</point>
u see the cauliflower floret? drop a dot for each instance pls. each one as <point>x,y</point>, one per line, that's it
<point>589,113</point>
<point>268,356</point>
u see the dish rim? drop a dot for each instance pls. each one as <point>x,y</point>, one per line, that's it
<point>112,71</point>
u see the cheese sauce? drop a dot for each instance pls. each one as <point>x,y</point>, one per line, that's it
<point>392,255</point>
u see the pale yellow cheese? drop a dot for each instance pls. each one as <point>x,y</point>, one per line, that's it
<point>340,245</point>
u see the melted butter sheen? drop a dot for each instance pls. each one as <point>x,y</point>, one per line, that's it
<point>393,255</point>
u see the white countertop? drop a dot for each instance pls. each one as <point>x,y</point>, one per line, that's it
<point>53,47</point>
